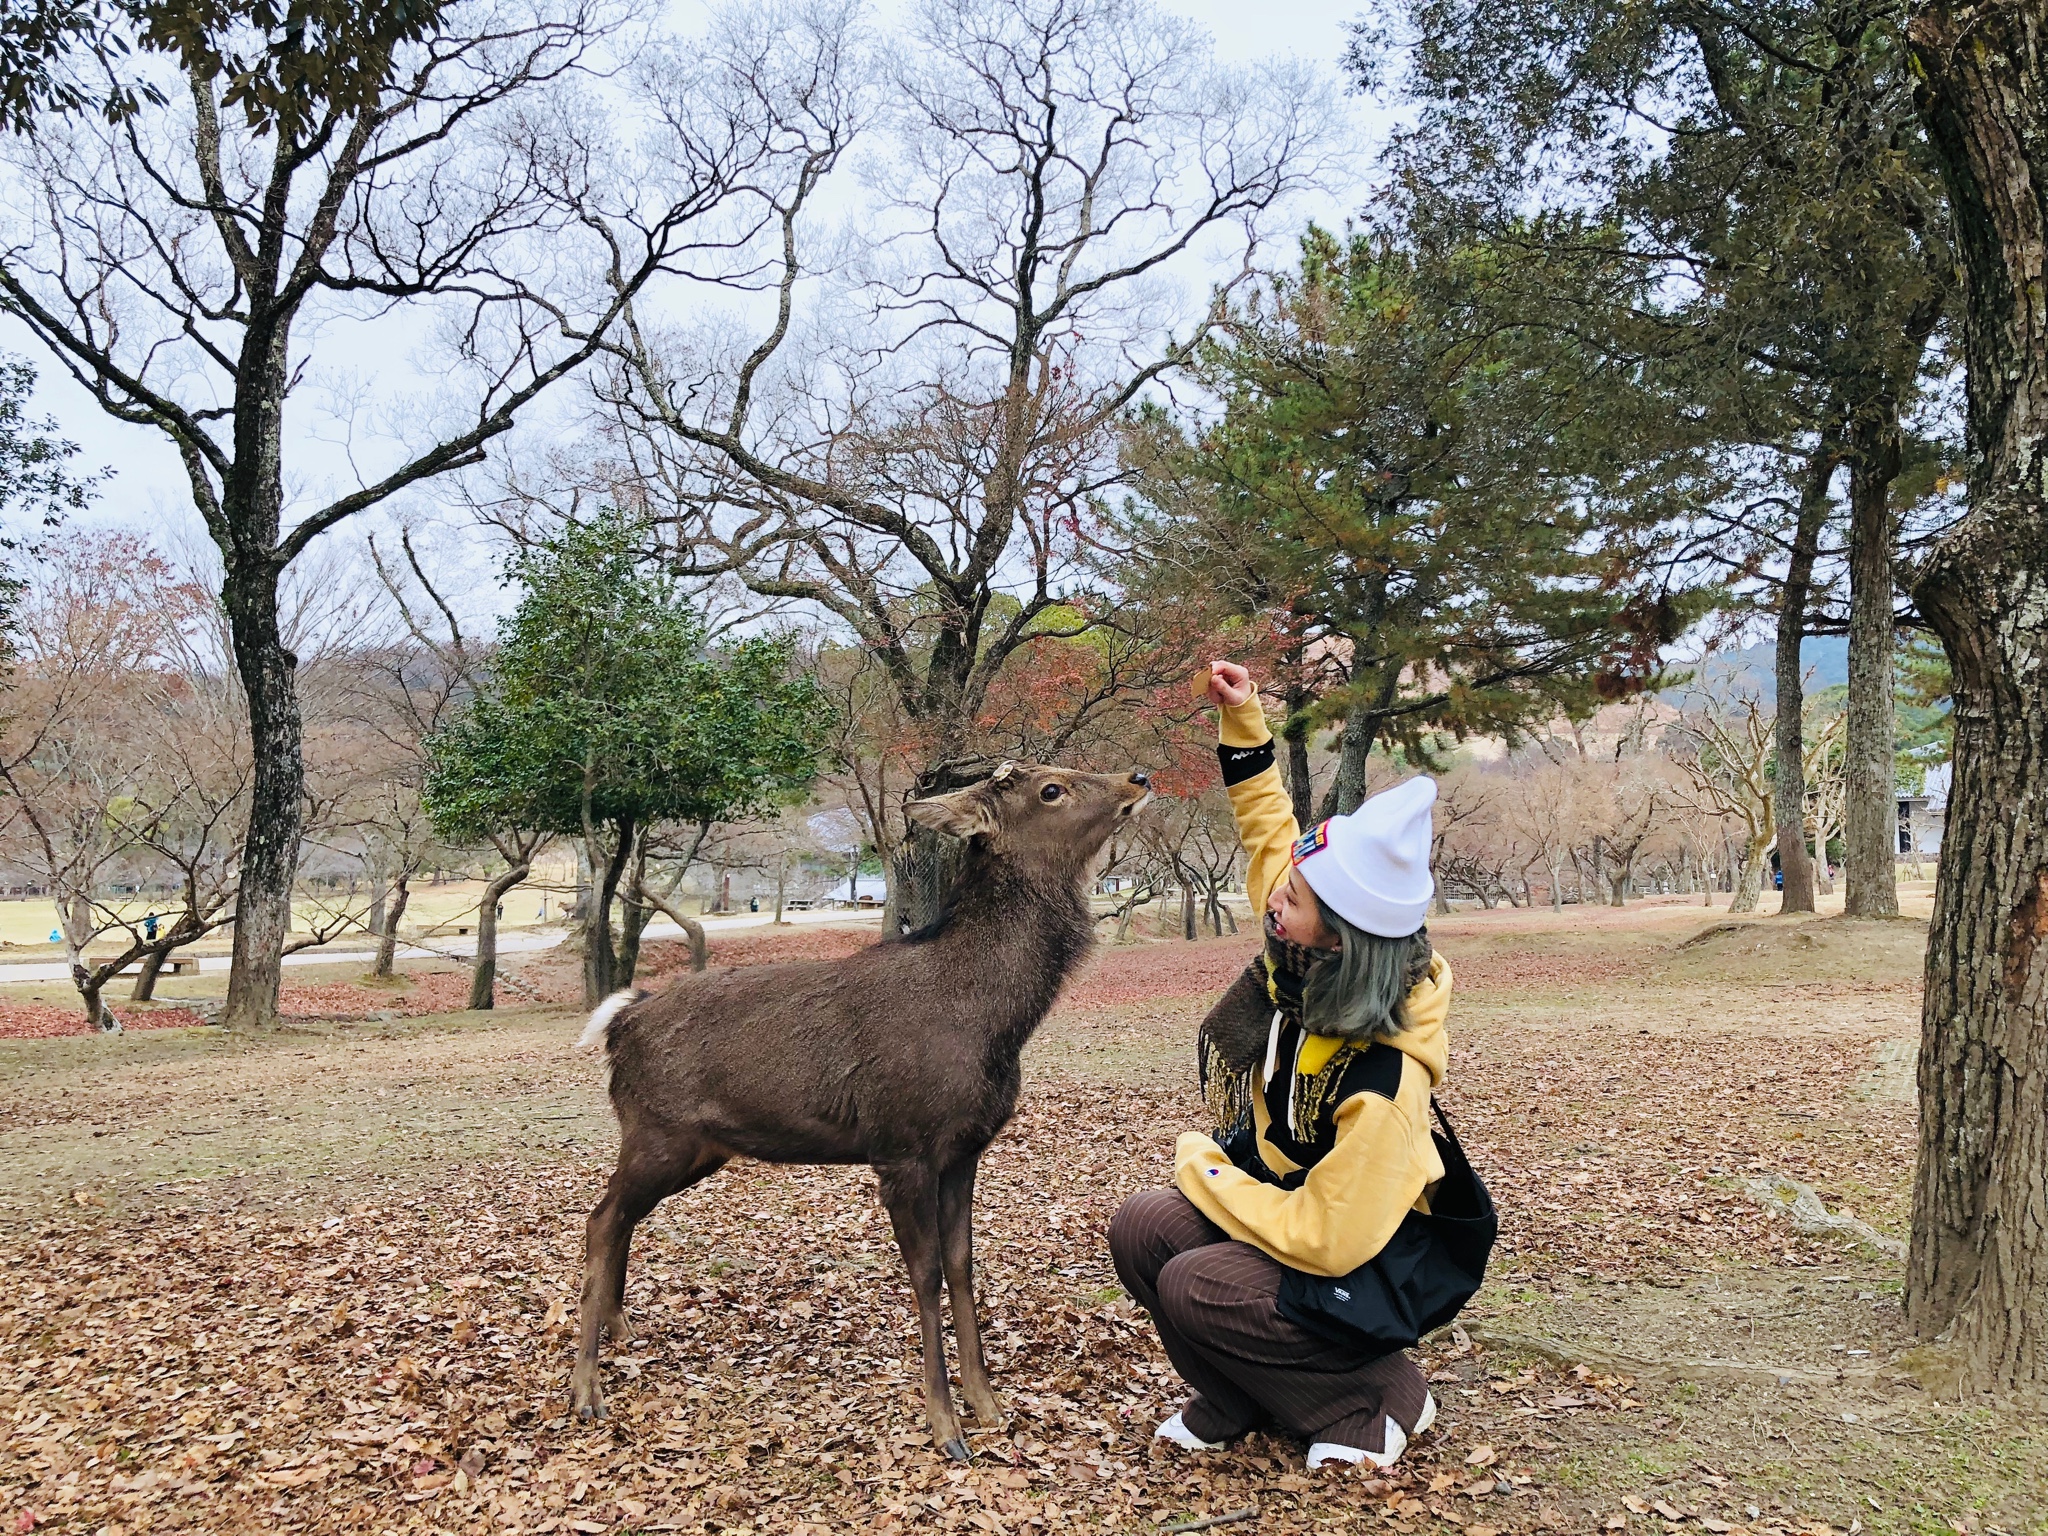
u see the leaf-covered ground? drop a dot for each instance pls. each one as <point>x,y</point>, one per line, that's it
<point>325,1281</point>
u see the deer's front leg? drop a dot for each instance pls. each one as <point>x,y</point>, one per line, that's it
<point>910,1191</point>
<point>956,1236</point>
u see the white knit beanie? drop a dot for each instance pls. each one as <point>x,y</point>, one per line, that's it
<point>1372,867</point>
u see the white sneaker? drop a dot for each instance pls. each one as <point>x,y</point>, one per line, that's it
<point>1175,1430</point>
<point>1324,1452</point>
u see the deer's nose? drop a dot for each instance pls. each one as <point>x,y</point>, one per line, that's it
<point>1141,778</point>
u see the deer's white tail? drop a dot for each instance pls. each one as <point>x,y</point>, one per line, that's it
<point>595,1033</point>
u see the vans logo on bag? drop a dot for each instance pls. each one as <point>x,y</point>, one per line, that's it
<point>1340,1293</point>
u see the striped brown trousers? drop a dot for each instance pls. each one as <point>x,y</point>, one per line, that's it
<point>1214,1302</point>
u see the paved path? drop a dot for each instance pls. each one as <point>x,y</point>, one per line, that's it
<point>522,941</point>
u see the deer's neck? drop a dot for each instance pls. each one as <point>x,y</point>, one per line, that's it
<point>1013,940</point>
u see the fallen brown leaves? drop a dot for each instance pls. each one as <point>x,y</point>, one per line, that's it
<point>384,1346</point>
<point>47,1021</point>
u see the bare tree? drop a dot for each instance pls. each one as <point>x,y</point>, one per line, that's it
<point>185,261</point>
<point>1047,166</point>
<point>1543,808</point>
<point>108,758</point>
<point>1826,792</point>
<point>1726,748</point>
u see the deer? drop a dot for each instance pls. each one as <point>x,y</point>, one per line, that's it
<point>903,1056</point>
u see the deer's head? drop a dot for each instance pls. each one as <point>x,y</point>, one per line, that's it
<point>1054,819</point>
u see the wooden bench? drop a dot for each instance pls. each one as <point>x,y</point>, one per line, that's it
<point>179,967</point>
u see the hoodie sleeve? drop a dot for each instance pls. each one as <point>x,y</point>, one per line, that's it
<point>1343,1213</point>
<point>1265,814</point>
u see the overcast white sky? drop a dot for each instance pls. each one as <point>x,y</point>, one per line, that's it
<point>148,487</point>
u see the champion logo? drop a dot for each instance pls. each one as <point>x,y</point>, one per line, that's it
<point>1312,841</point>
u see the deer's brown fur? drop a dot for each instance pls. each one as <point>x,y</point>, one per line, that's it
<point>903,1056</point>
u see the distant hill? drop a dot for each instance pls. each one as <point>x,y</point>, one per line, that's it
<point>1824,658</point>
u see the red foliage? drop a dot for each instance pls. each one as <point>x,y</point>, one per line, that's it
<point>47,1021</point>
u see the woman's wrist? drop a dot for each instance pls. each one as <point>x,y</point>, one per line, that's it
<point>1243,724</point>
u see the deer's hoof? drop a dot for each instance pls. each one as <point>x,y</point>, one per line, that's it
<point>956,1449</point>
<point>587,1397</point>
<point>988,1410</point>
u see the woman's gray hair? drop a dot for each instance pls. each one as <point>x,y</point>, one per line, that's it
<point>1358,995</point>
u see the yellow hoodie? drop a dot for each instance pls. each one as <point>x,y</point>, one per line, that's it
<point>1384,1160</point>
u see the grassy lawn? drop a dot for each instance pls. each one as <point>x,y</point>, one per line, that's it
<point>325,1280</point>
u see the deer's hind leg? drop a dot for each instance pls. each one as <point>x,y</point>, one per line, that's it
<point>956,1237</point>
<point>652,1166</point>
<point>910,1191</point>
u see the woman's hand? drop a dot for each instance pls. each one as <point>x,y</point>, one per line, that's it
<point>1229,684</point>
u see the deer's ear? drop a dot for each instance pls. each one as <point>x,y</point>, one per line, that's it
<point>963,814</point>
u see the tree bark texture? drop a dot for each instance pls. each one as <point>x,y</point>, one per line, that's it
<point>483,976</point>
<point>1977,1269</point>
<point>634,913</point>
<point>926,867</point>
<point>608,866</point>
<point>152,966</point>
<point>1870,815</point>
<point>1789,785</point>
<point>270,852</point>
<point>1301,787</point>
<point>700,947</point>
<point>387,941</point>
<point>96,1008</point>
<point>1749,884</point>
<point>1347,787</point>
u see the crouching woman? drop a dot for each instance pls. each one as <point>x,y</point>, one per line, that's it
<point>1284,1271</point>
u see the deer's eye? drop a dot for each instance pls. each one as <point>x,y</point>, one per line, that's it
<point>1051,792</point>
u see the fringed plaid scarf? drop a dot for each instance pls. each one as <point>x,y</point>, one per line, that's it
<point>1232,1045</point>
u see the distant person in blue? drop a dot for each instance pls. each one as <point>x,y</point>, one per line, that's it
<point>149,927</point>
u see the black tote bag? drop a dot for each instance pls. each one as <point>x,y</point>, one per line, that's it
<point>1421,1280</point>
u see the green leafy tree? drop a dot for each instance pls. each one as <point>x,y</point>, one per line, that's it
<point>276,61</point>
<point>1454,523</point>
<point>605,714</point>
<point>1766,162</point>
<point>1926,718</point>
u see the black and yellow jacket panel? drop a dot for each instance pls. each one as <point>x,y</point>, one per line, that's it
<point>1345,1206</point>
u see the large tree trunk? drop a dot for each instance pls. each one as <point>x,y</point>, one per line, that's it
<point>144,990</point>
<point>1749,880</point>
<point>1301,785</point>
<point>633,915</point>
<point>1870,817</point>
<point>1347,786</point>
<point>483,976</point>
<point>1978,1266</point>
<point>270,852</point>
<point>608,866</point>
<point>380,897</point>
<point>387,941</point>
<point>1789,787</point>
<point>91,994</point>
<point>922,875</point>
